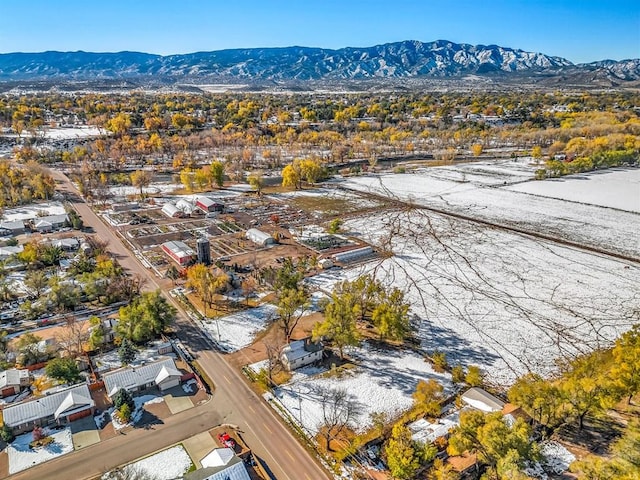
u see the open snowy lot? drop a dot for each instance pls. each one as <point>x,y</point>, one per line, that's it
<point>21,456</point>
<point>593,225</point>
<point>383,381</point>
<point>152,189</point>
<point>236,331</point>
<point>352,199</point>
<point>506,302</point>
<point>168,464</point>
<point>618,188</point>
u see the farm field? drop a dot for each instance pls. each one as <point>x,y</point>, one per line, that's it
<point>618,189</point>
<point>595,225</point>
<point>507,302</point>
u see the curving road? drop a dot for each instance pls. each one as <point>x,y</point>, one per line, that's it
<point>233,401</point>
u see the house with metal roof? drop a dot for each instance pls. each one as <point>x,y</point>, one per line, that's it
<point>208,204</point>
<point>179,251</point>
<point>162,374</point>
<point>220,464</point>
<point>59,408</point>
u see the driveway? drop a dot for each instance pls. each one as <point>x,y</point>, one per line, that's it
<point>84,433</point>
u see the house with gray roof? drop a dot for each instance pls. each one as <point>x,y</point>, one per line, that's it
<point>50,222</point>
<point>11,228</point>
<point>13,380</point>
<point>300,353</point>
<point>59,408</point>
<point>220,464</point>
<point>482,400</point>
<point>162,374</point>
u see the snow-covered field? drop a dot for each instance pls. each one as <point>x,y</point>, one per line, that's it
<point>21,456</point>
<point>507,204</point>
<point>383,381</point>
<point>609,188</point>
<point>169,464</point>
<point>154,188</point>
<point>506,302</point>
<point>330,194</point>
<point>236,331</point>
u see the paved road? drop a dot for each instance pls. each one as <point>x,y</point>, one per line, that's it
<point>233,401</point>
<point>97,459</point>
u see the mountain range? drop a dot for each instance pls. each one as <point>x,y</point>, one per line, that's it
<point>401,60</point>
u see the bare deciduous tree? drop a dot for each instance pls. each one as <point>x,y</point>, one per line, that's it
<point>339,410</point>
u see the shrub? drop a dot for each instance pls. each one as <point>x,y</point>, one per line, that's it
<point>124,412</point>
<point>6,434</point>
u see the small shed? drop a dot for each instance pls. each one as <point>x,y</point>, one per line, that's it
<point>259,237</point>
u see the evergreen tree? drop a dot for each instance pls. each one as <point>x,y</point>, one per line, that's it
<point>127,352</point>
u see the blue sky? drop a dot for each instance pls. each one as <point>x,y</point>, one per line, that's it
<point>579,30</point>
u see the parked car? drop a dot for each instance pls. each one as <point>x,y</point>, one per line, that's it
<point>226,440</point>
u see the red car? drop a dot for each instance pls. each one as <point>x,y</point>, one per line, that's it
<point>226,440</point>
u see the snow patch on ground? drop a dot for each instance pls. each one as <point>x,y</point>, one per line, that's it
<point>190,386</point>
<point>154,188</point>
<point>21,456</point>
<point>168,464</point>
<point>138,411</point>
<point>382,381</point>
<point>556,460</point>
<point>236,331</point>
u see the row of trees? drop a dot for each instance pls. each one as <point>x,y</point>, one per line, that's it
<point>23,184</point>
<point>588,385</point>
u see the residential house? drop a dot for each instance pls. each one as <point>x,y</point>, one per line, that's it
<point>12,228</point>
<point>50,223</point>
<point>482,400</point>
<point>220,464</point>
<point>162,374</point>
<point>300,353</point>
<point>13,380</point>
<point>60,408</point>
<point>9,251</point>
